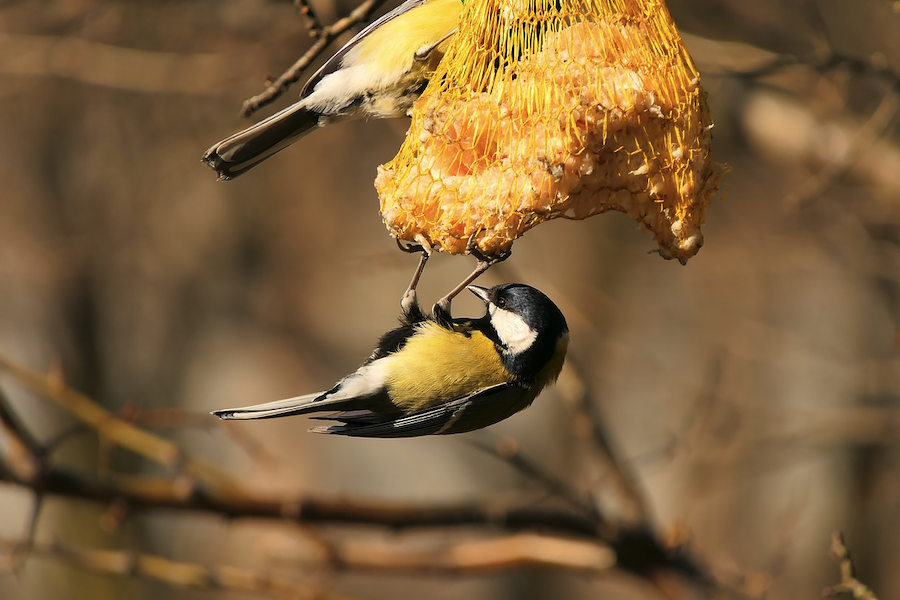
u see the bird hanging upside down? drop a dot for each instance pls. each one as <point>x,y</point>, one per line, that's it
<point>429,378</point>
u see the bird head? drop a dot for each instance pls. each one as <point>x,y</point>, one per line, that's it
<point>528,328</point>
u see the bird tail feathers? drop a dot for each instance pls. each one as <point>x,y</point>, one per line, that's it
<point>244,150</point>
<point>280,408</point>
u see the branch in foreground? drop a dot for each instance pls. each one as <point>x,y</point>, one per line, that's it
<point>206,489</point>
<point>119,68</point>
<point>472,557</point>
<point>111,428</point>
<point>174,573</point>
<point>635,507</point>
<point>635,551</point>
<point>849,583</point>
<point>324,35</point>
<point>181,494</point>
<point>202,488</point>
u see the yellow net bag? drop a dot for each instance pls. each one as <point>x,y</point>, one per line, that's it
<point>554,108</point>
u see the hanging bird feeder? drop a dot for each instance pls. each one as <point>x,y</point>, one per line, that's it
<point>545,109</point>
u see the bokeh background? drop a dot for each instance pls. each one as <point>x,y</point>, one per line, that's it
<point>754,392</point>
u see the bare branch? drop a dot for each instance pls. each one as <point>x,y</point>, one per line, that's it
<point>636,509</point>
<point>109,427</point>
<point>19,451</point>
<point>181,494</point>
<point>790,129</point>
<point>116,67</point>
<point>313,23</point>
<point>873,129</point>
<point>204,489</point>
<point>325,36</point>
<point>849,583</point>
<point>174,573</point>
<point>506,449</point>
<point>473,557</point>
<point>157,418</point>
<point>821,61</point>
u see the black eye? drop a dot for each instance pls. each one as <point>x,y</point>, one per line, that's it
<point>501,302</point>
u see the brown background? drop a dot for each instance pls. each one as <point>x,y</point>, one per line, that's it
<point>754,391</point>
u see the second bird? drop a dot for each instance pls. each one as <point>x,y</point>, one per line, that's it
<point>379,73</point>
<point>429,378</point>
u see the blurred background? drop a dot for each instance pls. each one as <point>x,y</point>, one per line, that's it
<point>754,392</point>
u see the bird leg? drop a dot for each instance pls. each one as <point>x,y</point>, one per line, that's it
<point>410,312</point>
<point>441,310</point>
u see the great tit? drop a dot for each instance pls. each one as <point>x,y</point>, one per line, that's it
<point>379,73</point>
<point>428,378</point>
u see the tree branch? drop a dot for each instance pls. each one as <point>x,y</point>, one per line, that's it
<point>849,583</point>
<point>111,428</point>
<point>470,557</point>
<point>324,36</point>
<point>204,489</point>
<point>174,573</point>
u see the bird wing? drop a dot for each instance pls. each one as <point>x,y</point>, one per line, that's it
<point>334,63</point>
<point>484,407</point>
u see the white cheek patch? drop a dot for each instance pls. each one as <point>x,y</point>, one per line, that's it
<point>512,330</point>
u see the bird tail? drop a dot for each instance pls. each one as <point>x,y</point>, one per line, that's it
<point>280,408</point>
<point>244,150</point>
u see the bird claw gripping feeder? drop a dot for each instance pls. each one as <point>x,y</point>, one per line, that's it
<point>544,109</point>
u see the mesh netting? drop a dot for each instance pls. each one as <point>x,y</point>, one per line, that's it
<point>554,108</point>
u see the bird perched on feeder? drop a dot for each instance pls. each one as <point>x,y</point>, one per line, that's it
<point>429,378</point>
<point>378,74</point>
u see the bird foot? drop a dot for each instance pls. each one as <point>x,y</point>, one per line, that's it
<point>441,309</point>
<point>410,311</point>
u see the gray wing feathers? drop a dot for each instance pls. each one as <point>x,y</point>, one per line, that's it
<point>483,408</point>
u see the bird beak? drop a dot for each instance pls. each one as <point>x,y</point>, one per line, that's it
<point>480,292</point>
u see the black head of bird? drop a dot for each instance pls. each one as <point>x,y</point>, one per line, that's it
<point>429,377</point>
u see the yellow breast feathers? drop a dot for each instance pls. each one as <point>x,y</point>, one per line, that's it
<point>428,372</point>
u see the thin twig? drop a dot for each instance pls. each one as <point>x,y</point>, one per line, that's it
<point>174,573</point>
<point>472,557</point>
<point>158,418</point>
<point>693,425</point>
<point>326,35</point>
<point>109,427</point>
<point>313,24</point>
<point>870,131</point>
<point>849,583</point>
<point>120,68</point>
<point>15,427</point>
<point>156,493</point>
<point>208,490</point>
<point>636,510</point>
<point>637,550</point>
<point>19,452</point>
<point>507,451</point>
<point>21,455</point>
